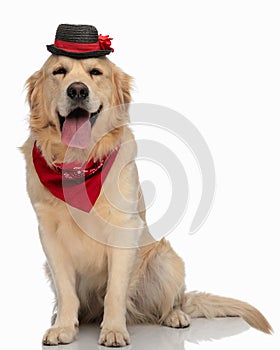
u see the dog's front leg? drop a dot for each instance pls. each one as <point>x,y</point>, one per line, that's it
<point>114,331</point>
<point>63,277</point>
<point>120,264</point>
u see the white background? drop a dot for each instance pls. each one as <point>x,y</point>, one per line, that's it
<point>215,62</point>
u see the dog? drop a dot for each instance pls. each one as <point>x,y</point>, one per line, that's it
<point>121,275</point>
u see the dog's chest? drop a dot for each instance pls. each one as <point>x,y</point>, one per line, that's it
<point>87,255</point>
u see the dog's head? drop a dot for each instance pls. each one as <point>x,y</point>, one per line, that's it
<point>75,102</point>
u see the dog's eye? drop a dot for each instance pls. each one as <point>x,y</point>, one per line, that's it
<point>60,71</point>
<point>95,71</point>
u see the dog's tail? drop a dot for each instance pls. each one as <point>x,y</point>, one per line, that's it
<point>207,305</point>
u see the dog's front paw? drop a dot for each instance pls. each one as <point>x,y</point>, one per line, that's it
<point>60,335</point>
<point>114,337</point>
<point>177,319</point>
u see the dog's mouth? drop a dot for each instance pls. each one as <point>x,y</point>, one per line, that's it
<point>76,127</point>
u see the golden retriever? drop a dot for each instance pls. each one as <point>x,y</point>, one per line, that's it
<point>120,276</point>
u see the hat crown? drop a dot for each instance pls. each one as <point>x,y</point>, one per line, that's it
<point>77,33</point>
<point>80,41</point>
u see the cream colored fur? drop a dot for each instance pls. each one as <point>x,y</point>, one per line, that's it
<point>93,279</point>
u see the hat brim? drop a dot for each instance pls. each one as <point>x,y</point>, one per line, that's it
<point>54,50</point>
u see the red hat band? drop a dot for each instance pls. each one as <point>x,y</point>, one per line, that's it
<point>103,43</point>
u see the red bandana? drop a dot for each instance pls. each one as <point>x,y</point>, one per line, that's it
<point>76,184</point>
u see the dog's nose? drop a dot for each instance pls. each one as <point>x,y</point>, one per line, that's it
<point>77,91</point>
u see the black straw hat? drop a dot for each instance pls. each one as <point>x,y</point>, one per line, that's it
<point>80,41</point>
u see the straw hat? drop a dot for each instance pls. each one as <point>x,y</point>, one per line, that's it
<point>80,41</point>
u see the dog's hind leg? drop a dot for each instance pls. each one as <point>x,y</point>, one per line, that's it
<point>158,288</point>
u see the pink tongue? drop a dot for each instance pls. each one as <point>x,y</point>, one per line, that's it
<point>76,130</point>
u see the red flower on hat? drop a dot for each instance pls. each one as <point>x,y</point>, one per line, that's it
<point>105,42</point>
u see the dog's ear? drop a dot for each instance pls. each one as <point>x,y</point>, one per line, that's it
<point>122,86</point>
<point>38,115</point>
<point>32,85</point>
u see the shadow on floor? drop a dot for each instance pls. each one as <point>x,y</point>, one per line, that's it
<point>150,337</point>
